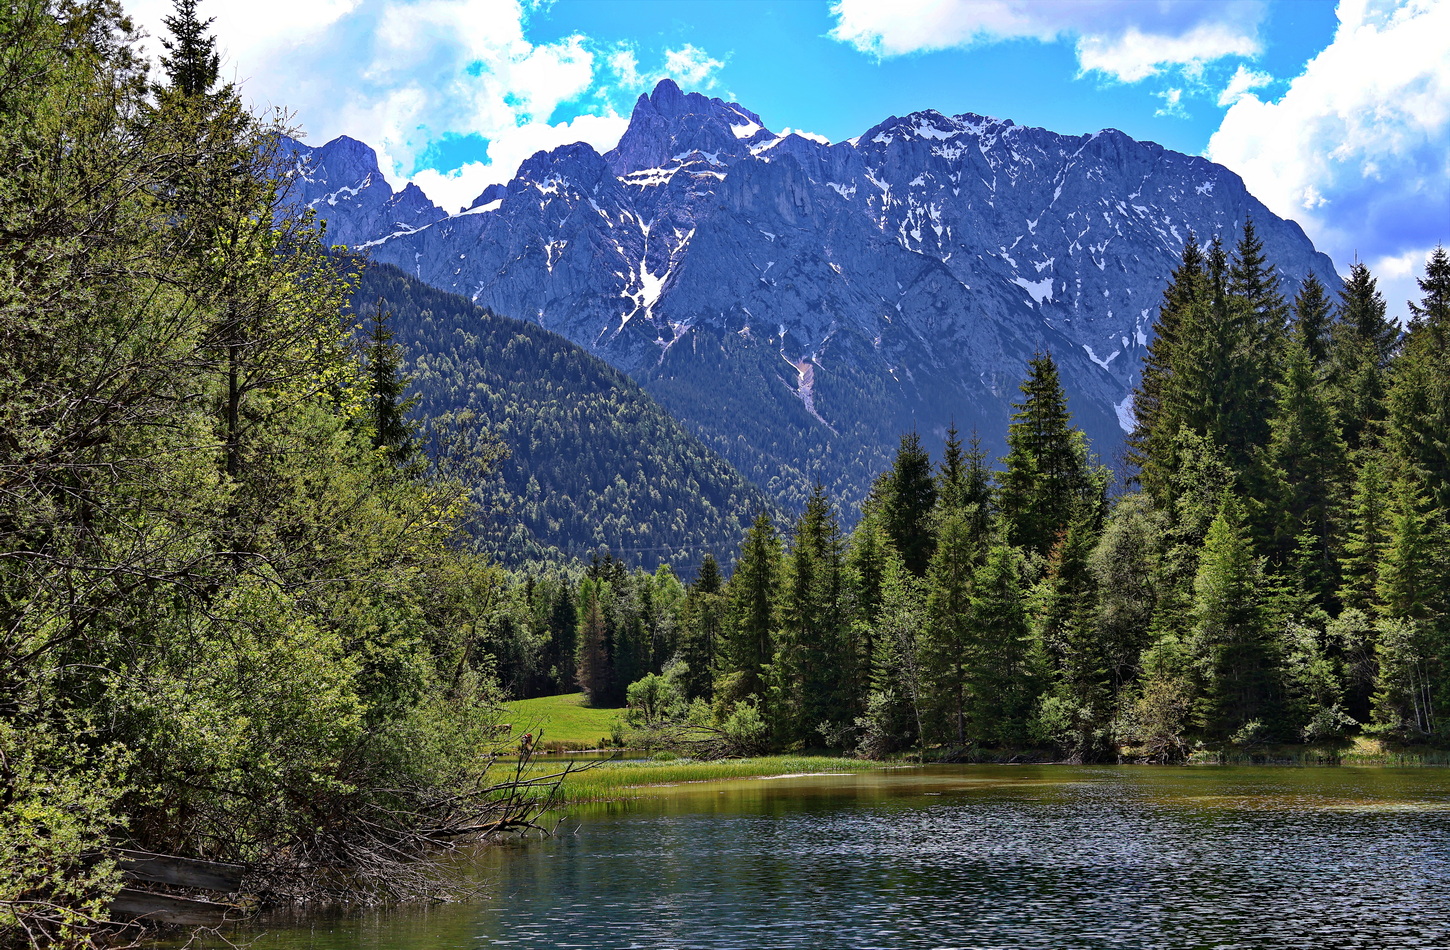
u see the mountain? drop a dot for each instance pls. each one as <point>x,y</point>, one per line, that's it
<point>594,463</point>
<point>800,304</point>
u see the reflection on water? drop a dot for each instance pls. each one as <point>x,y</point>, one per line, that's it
<point>979,857</point>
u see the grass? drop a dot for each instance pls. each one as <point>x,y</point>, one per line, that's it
<point>1358,750</point>
<point>637,778</point>
<point>566,724</point>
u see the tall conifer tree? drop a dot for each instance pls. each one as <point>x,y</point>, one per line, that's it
<point>1047,474</point>
<point>910,496</point>
<point>1313,320</point>
<point>753,612</point>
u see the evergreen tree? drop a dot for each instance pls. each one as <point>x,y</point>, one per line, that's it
<point>1308,468</point>
<point>1364,340</point>
<point>1313,321</point>
<point>703,621</point>
<point>752,614</point>
<point>1419,398</point>
<point>1047,474</point>
<point>193,62</point>
<point>1076,710</point>
<point>813,656</point>
<point>1231,644</point>
<point>948,651</point>
<point>866,561</point>
<point>964,486</point>
<point>387,384</point>
<point>1253,280</point>
<point>895,707</point>
<point>1005,670</point>
<point>1367,536</point>
<point>908,499</point>
<point>1125,565</point>
<point>1153,427</point>
<point>595,672</point>
<point>1411,577</point>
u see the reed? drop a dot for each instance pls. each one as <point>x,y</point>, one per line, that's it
<point>638,778</point>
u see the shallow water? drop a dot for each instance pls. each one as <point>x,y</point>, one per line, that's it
<point>971,856</point>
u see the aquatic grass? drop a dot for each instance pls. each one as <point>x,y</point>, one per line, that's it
<point>1358,751</point>
<point>637,778</point>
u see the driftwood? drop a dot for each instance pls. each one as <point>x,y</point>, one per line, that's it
<point>180,872</point>
<point>187,879</point>
<point>145,907</point>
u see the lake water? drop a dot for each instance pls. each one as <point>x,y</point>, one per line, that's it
<point>983,857</point>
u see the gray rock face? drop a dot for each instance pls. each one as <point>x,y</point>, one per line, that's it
<point>342,183</point>
<point>924,260</point>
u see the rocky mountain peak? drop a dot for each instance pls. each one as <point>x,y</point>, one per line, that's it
<point>913,269</point>
<point>669,125</point>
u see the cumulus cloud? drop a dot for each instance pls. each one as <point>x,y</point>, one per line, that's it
<point>1126,40</point>
<point>1172,103</point>
<point>1241,83</point>
<point>1357,150</point>
<point>813,136</point>
<point>690,66</point>
<point>404,75</point>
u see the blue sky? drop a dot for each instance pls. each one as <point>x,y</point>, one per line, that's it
<point>1336,114</point>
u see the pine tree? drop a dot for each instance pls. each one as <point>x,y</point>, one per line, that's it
<point>1252,279</point>
<point>1125,564</point>
<point>1419,397</point>
<point>948,650</point>
<point>813,656</point>
<point>193,64</point>
<point>866,561</point>
<point>1364,340</point>
<point>387,384</point>
<point>1367,536</point>
<point>1313,321</point>
<point>909,497</point>
<point>1005,670</point>
<point>703,619</point>
<point>1153,427</point>
<point>1411,578</point>
<point>1068,630</point>
<point>1047,475</point>
<point>1308,467</point>
<point>1230,644</point>
<point>752,614</point>
<point>593,664</point>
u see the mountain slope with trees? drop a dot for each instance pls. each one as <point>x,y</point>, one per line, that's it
<point>591,463</point>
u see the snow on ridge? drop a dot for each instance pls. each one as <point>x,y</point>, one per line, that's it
<point>1127,419</point>
<point>1041,290</point>
<point>745,131</point>
<point>493,205</point>
<point>1101,362</point>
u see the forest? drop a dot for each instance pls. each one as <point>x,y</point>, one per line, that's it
<point>1274,571</point>
<point>234,599</point>
<point>244,615</point>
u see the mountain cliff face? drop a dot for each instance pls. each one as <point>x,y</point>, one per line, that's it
<point>801,304</point>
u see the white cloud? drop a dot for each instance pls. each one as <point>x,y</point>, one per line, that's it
<point>1358,149</point>
<point>813,136</point>
<point>1127,40</point>
<point>1243,81</point>
<point>1133,54</point>
<point>403,75</point>
<point>691,66</point>
<point>1172,104</point>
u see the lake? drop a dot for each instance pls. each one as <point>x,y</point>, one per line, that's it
<point>968,856</point>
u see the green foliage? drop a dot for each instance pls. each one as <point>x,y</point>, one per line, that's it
<point>907,495</point>
<point>1048,475</point>
<point>229,625</point>
<point>1230,644</point>
<point>590,462</point>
